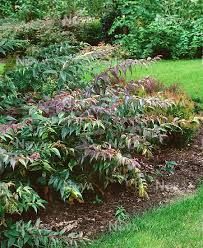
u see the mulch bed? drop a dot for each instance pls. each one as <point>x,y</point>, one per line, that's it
<point>93,219</point>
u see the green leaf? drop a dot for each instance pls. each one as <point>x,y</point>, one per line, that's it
<point>56,151</point>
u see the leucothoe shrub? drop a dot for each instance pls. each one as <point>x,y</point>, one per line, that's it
<point>57,72</point>
<point>96,133</point>
<point>86,139</point>
<point>8,46</point>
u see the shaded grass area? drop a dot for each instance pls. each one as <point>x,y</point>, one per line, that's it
<point>1,68</point>
<point>177,225</point>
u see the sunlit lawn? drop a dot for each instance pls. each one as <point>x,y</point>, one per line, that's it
<point>187,73</point>
<point>179,225</point>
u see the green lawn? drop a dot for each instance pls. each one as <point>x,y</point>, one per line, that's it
<point>187,73</point>
<point>1,68</point>
<point>179,225</point>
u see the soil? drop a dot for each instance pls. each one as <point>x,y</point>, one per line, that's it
<point>92,219</point>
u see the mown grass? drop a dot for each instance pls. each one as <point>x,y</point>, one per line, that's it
<point>177,225</point>
<point>186,73</point>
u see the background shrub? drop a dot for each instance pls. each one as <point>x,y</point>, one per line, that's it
<point>168,28</point>
<point>89,32</point>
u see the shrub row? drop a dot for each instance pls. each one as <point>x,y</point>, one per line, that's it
<point>85,139</point>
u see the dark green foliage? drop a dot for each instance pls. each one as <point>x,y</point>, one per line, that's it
<point>23,234</point>
<point>107,19</point>
<point>28,10</point>
<point>17,199</point>
<point>49,75</point>
<point>8,95</point>
<point>7,7</point>
<point>90,32</point>
<point>25,9</point>
<point>60,182</point>
<point>8,46</point>
<point>47,70</point>
<point>169,28</point>
<point>55,50</point>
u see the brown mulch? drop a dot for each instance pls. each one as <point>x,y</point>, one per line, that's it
<point>92,219</point>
